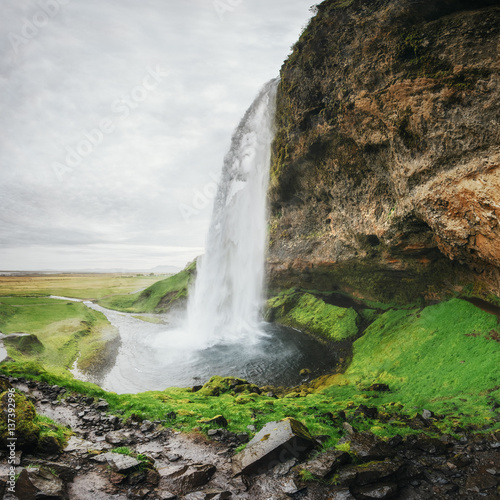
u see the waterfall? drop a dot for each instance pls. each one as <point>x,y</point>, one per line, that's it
<point>226,302</point>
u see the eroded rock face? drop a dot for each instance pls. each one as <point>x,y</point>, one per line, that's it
<point>387,147</point>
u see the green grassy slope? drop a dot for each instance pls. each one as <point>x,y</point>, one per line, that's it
<point>157,298</point>
<point>65,330</point>
<point>313,315</point>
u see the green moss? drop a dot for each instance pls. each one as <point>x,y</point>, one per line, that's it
<point>440,351</point>
<point>158,298</point>
<point>220,385</point>
<point>28,344</point>
<point>23,426</point>
<point>122,450</point>
<point>52,430</point>
<point>312,315</point>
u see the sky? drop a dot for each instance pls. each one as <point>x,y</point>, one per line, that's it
<point>115,119</point>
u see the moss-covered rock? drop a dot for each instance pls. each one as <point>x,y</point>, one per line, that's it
<point>25,344</point>
<point>312,315</point>
<point>20,424</point>
<point>220,385</point>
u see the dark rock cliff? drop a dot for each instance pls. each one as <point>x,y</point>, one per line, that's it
<point>385,178</point>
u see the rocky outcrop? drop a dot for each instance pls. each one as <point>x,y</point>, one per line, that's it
<point>386,159</point>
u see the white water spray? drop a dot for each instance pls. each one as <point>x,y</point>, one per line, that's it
<point>225,304</point>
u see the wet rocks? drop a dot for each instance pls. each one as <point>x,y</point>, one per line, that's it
<point>326,464</point>
<point>37,483</point>
<point>118,462</point>
<point>383,490</point>
<point>118,438</point>
<point>275,443</point>
<point>185,478</point>
<point>368,447</point>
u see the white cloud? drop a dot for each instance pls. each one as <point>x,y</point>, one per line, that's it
<point>147,94</point>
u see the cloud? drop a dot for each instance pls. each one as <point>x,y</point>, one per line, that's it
<point>116,115</point>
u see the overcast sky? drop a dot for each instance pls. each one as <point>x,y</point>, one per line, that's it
<point>115,118</point>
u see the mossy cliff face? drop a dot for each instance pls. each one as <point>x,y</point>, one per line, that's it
<point>386,157</point>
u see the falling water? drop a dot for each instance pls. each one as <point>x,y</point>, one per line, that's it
<point>225,304</point>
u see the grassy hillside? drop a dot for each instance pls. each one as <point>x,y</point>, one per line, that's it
<point>61,331</point>
<point>157,298</point>
<point>312,315</point>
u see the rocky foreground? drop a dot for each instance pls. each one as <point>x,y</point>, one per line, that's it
<point>110,458</point>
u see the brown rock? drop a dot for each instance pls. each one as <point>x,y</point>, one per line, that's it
<point>185,478</point>
<point>386,150</point>
<point>37,483</point>
<point>368,447</point>
<point>326,464</point>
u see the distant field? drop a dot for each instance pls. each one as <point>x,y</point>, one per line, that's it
<point>79,286</point>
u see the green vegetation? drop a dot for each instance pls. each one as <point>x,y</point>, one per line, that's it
<point>443,358</point>
<point>26,429</point>
<point>79,286</point>
<point>157,298</point>
<point>50,431</point>
<point>312,315</point>
<point>60,332</point>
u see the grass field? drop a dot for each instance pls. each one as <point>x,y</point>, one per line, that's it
<point>61,331</point>
<point>79,286</point>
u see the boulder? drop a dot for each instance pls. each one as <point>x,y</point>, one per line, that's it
<point>26,431</point>
<point>102,405</point>
<point>117,438</point>
<point>117,461</point>
<point>35,483</point>
<point>340,494</point>
<point>185,478</point>
<point>275,443</point>
<point>326,464</point>
<point>367,447</point>
<point>147,426</point>
<point>208,495</point>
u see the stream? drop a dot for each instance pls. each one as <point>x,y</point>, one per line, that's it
<point>156,356</point>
